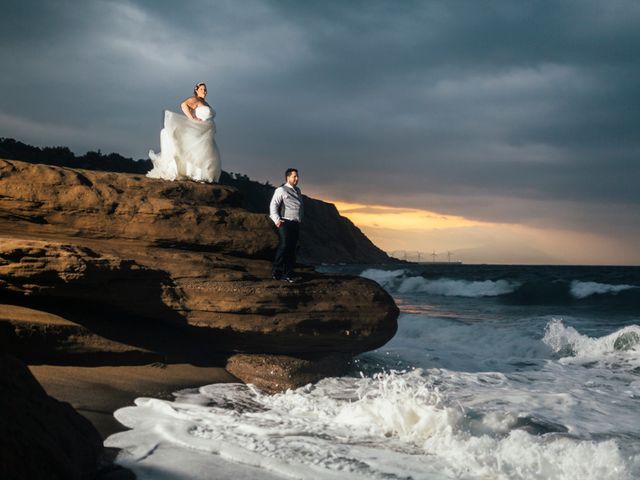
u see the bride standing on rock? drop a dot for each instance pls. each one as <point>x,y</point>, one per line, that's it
<point>188,148</point>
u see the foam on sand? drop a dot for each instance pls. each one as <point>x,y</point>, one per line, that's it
<point>393,425</point>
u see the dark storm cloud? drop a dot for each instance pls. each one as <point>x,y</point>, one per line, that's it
<point>500,110</point>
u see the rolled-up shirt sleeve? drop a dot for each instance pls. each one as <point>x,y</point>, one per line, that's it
<point>274,206</point>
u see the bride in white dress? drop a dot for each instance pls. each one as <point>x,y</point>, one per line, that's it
<point>188,148</point>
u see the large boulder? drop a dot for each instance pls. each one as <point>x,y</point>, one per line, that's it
<point>234,309</point>
<point>180,254</point>
<point>275,373</point>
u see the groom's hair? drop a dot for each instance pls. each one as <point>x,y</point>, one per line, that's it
<point>289,172</point>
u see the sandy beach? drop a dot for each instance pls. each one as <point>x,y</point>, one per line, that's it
<point>96,392</point>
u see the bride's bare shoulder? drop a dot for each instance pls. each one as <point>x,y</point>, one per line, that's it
<point>192,101</point>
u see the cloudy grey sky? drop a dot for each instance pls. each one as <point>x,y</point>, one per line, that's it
<point>522,112</point>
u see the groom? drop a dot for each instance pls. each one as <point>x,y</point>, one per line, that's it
<point>286,211</point>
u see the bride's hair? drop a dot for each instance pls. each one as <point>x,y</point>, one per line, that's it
<point>198,85</point>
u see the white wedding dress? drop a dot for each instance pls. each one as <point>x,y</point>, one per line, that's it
<point>188,148</point>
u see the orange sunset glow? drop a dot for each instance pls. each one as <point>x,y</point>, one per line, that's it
<point>471,241</point>
<point>392,218</point>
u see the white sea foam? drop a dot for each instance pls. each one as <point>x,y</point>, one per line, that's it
<point>620,348</point>
<point>398,281</point>
<point>582,290</point>
<point>502,393</point>
<point>395,425</point>
<point>508,369</point>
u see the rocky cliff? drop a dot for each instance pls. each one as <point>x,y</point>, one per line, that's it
<point>177,260</point>
<point>327,237</point>
<point>113,269</point>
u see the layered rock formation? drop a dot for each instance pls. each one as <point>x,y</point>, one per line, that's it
<point>162,260</point>
<point>327,237</point>
<point>105,269</point>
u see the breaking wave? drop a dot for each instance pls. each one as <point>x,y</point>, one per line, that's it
<point>523,290</point>
<point>586,289</point>
<point>621,347</point>
<point>394,426</point>
<point>398,281</point>
<point>494,385</point>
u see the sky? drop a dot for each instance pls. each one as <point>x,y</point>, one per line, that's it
<point>501,131</point>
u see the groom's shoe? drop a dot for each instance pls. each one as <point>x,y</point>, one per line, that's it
<point>276,276</point>
<point>290,278</point>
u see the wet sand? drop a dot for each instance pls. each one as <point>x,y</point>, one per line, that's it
<point>96,392</point>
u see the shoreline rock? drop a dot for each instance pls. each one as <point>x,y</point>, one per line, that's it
<point>84,236</point>
<point>104,272</point>
<point>41,437</point>
<point>275,373</point>
<point>233,309</point>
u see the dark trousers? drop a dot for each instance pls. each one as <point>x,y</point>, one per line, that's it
<point>285,260</point>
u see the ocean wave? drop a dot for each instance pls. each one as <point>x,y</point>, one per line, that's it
<point>398,281</point>
<point>393,425</point>
<point>521,290</point>
<point>385,278</point>
<point>566,341</point>
<point>457,288</point>
<point>427,341</point>
<point>585,289</point>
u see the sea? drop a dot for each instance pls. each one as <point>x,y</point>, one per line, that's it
<point>496,372</point>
